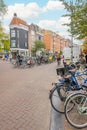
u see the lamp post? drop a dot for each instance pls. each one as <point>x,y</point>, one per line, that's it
<point>70,8</point>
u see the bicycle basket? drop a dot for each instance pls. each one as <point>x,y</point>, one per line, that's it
<point>60,71</point>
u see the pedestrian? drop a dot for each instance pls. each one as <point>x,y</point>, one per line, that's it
<point>3,57</point>
<point>86,58</point>
<point>6,57</point>
<point>58,59</point>
<point>19,59</point>
<point>10,57</point>
<point>63,59</point>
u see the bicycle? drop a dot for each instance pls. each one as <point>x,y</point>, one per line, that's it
<point>77,116</point>
<point>71,82</point>
<point>58,94</point>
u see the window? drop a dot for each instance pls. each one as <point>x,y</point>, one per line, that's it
<point>13,34</point>
<point>32,32</point>
<point>38,37</point>
<point>25,44</point>
<point>13,43</point>
<point>25,35</point>
<point>18,34</point>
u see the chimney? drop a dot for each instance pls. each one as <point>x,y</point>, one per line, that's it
<point>15,15</point>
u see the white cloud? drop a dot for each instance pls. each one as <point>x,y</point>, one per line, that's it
<point>53,5</point>
<point>63,20</point>
<point>6,29</point>
<point>55,25</point>
<point>47,23</point>
<point>33,11</point>
<point>30,11</point>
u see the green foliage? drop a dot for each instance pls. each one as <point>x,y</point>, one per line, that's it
<point>3,8</point>
<point>1,31</point>
<point>78,14</point>
<point>38,46</point>
<point>85,43</point>
<point>4,40</point>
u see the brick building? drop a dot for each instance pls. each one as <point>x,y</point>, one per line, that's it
<point>54,42</point>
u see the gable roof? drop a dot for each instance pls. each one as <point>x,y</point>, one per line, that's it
<point>17,21</point>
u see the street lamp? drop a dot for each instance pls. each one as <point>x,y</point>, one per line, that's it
<point>70,8</point>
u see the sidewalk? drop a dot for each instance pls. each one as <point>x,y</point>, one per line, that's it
<point>56,121</point>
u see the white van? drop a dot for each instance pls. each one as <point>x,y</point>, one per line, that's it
<point>76,53</point>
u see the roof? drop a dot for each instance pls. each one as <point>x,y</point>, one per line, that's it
<point>17,21</point>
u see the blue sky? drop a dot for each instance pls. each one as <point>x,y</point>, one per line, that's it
<point>45,13</point>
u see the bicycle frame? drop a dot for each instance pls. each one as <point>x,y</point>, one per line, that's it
<point>78,74</point>
<point>83,109</point>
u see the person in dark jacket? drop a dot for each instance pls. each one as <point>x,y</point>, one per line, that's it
<point>86,58</point>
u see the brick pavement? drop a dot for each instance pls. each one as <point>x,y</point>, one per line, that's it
<point>67,126</point>
<point>24,102</point>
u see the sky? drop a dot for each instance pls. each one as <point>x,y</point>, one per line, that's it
<point>47,14</point>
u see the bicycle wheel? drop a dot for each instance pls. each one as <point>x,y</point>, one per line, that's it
<point>77,117</point>
<point>56,102</point>
<point>62,92</point>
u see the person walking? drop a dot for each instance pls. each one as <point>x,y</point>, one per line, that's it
<point>10,57</point>
<point>58,59</point>
<point>86,58</point>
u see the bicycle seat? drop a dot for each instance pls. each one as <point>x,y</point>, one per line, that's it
<point>73,70</point>
<point>67,76</point>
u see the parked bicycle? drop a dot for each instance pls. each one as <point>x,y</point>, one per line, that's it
<point>77,116</point>
<point>68,83</point>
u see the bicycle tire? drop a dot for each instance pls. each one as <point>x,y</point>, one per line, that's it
<point>62,91</point>
<point>56,102</point>
<point>75,117</point>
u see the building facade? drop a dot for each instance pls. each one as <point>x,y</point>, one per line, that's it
<point>23,36</point>
<point>19,36</point>
<point>35,34</point>
<point>54,42</point>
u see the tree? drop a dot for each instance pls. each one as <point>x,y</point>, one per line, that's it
<point>3,8</point>
<point>84,46</point>
<point>77,11</point>
<point>4,40</point>
<point>38,46</point>
<point>1,31</point>
<point>1,36</point>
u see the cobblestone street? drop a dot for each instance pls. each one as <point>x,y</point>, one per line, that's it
<point>24,97</point>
